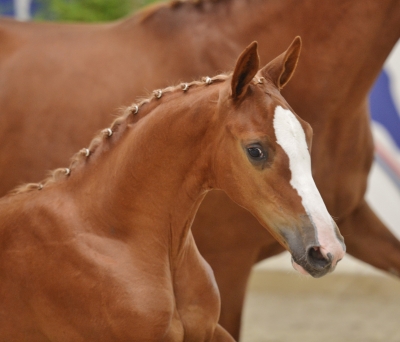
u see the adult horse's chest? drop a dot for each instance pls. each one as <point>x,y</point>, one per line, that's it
<point>342,191</point>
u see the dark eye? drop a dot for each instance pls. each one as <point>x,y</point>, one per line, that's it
<point>255,152</point>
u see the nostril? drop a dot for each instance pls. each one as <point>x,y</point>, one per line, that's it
<point>315,253</point>
<point>317,259</point>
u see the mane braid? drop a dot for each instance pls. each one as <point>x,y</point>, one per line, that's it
<point>117,126</point>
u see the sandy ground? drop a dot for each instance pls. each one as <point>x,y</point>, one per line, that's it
<point>345,306</point>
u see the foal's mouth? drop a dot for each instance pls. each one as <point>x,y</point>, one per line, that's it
<point>314,263</point>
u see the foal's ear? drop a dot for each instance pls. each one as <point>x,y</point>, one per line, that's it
<point>246,68</point>
<point>281,69</point>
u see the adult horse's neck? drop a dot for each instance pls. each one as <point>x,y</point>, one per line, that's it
<point>345,42</point>
<point>350,41</point>
<point>154,172</point>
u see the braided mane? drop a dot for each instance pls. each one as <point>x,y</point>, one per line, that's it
<point>128,116</point>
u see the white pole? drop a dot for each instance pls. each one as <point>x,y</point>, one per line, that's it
<point>22,9</point>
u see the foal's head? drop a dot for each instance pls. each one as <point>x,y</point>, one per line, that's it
<point>263,161</point>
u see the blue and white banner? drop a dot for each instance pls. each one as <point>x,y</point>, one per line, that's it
<point>20,9</point>
<point>384,182</point>
<point>385,112</point>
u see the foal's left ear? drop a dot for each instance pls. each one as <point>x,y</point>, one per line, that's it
<point>281,69</point>
<point>246,68</point>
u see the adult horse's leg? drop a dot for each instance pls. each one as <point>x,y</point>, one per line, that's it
<point>369,240</point>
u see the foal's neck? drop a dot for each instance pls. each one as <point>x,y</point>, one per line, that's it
<point>156,174</point>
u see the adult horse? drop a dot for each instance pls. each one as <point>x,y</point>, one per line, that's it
<point>59,82</point>
<point>103,251</point>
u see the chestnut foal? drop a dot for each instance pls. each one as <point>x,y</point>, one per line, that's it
<point>103,250</point>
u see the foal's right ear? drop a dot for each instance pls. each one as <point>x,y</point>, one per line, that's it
<point>246,68</point>
<point>281,69</point>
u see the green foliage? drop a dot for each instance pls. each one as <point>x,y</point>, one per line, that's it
<point>88,10</point>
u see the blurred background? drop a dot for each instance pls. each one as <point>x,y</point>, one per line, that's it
<point>357,302</point>
<point>70,10</point>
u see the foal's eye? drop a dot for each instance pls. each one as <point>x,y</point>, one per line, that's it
<point>256,152</point>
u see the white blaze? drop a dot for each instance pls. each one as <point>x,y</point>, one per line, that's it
<point>291,137</point>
